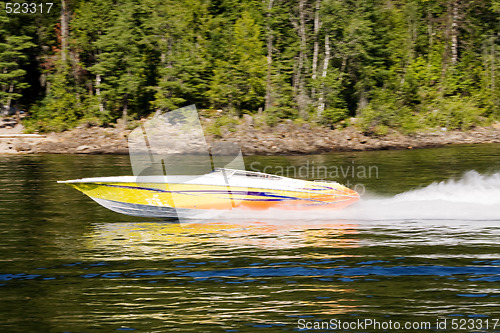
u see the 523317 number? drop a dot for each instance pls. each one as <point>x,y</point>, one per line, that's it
<point>27,7</point>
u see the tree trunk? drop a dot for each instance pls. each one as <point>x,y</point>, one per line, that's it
<point>317,25</point>
<point>454,33</point>
<point>412,39</point>
<point>431,45</point>
<point>98,92</point>
<point>64,30</point>
<point>163,56</point>
<point>9,103</point>
<point>301,97</point>
<point>9,98</point>
<point>98,80</point>
<point>163,78</point>
<point>170,46</point>
<point>125,111</point>
<point>268,98</point>
<point>343,65</point>
<point>321,102</point>
<point>493,88</point>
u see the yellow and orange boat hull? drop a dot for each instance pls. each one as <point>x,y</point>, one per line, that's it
<point>171,200</point>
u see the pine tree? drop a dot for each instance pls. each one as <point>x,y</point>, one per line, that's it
<point>12,53</point>
<point>61,109</point>
<point>177,33</point>
<point>239,80</point>
<point>89,24</point>
<point>120,64</point>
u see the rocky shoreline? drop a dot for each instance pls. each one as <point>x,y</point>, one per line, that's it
<point>283,139</point>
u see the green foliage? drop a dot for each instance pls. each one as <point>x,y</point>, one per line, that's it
<point>13,48</point>
<point>60,109</point>
<point>221,124</point>
<point>455,113</point>
<point>177,32</point>
<point>238,81</point>
<point>389,62</point>
<point>271,116</point>
<point>121,62</point>
<point>334,115</point>
<point>380,111</point>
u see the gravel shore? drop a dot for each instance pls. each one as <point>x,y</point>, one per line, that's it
<point>283,139</point>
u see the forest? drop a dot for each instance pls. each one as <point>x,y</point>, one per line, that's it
<point>390,64</point>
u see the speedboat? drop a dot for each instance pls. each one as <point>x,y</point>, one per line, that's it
<point>217,191</point>
<point>177,174</point>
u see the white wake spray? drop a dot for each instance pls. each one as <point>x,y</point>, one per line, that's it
<point>471,188</point>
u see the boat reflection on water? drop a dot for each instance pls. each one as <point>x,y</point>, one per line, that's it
<point>169,239</point>
<point>267,264</point>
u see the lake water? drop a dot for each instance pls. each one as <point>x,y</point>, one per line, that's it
<point>420,250</point>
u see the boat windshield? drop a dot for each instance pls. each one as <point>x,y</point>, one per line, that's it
<point>325,181</point>
<point>244,173</point>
